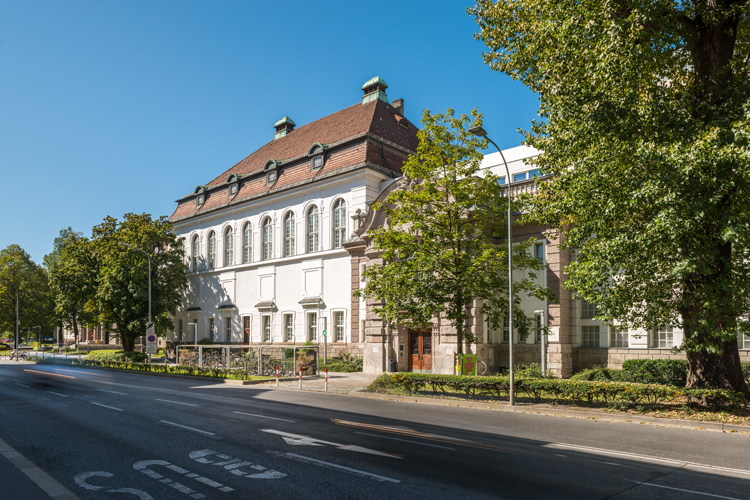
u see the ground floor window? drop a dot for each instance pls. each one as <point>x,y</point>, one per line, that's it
<point>266,328</point>
<point>211,330</point>
<point>312,327</point>
<point>289,327</point>
<point>338,322</point>
<point>228,329</point>
<point>246,329</point>
<point>538,329</point>
<point>618,337</point>
<point>663,337</point>
<point>590,336</point>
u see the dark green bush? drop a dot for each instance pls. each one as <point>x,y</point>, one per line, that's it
<point>345,363</point>
<point>599,374</point>
<point>118,356</point>
<point>655,371</point>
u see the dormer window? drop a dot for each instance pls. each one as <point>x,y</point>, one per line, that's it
<point>233,188</point>
<point>200,200</point>
<point>271,177</point>
<point>317,162</point>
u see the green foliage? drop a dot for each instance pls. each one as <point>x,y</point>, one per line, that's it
<point>120,356</point>
<point>599,374</point>
<point>122,287</point>
<point>205,341</point>
<point>440,246</point>
<point>656,371</point>
<point>530,370</point>
<point>344,362</point>
<point>34,297</point>
<point>576,391</point>
<point>645,127</point>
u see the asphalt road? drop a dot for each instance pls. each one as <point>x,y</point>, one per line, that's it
<point>108,435</point>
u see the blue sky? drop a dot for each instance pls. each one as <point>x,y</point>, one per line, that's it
<point>115,107</point>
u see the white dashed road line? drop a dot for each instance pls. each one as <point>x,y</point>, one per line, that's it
<point>58,394</point>
<point>314,461</point>
<point>113,392</point>
<point>186,427</point>
<point>175,402</point>
<point>680,489</point>
<point>27,386</point>
<point>105,406</point>
<point>263,416</point>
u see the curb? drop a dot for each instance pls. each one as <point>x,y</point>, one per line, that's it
<point>47,483</point>
<point>583,414</point>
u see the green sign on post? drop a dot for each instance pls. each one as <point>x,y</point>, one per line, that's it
<point>325,332</point>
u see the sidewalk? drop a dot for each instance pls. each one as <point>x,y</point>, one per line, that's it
<point>24,480</point>
<point>338,383</point>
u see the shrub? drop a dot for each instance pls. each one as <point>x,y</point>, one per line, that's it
<point>119,356</point>
<point>655,371</point>
<point>205,341</point>
<point>599,374</point>
<point>344,362</point>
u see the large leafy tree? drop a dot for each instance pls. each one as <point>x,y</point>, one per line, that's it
<point>122,290</point>
<point>73,271</point>
<point>645,125</point>
<point>442,244</point>
<point>35,305</point>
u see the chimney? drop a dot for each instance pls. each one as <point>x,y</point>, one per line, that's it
<point>398,105</point>
<point>374,88</point>
<point>283,127</point>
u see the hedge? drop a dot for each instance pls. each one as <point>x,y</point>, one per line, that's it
<point>114,355</point>
<point>655,371</point>
<point>610,393</point>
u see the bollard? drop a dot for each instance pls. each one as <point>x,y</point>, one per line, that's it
<point>326,388</point>
<point>300,377</point>
<point>277,375</point>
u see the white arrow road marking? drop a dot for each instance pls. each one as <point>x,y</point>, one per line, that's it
<point>233,465</point>
<point>143,467</point>
<point>297,439</point>
<point>81,478</point>
<point>333,466</point>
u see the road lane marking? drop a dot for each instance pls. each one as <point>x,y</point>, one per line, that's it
<point>143,467</point>
<point>22,385</point>
<point>300,440</point>
<point>314,461</point>
<point>113,392</point>
<point>233,465</point>
<point>405,440</point>
<point>74,371</point>
<point>105,406</point>
<point>48,373</point>
<point>263,416</point>
<point>186,427</point>
<point>175,402</point>
<point>680,489</point>
<point>58,394</point>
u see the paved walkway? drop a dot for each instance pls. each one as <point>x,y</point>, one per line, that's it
<point>340,383</point>
<point>21,479</point>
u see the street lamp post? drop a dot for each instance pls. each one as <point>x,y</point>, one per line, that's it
<point>18,322</point>
<point>480,132</point>
<point>149,279</point>
<point>39,336</point>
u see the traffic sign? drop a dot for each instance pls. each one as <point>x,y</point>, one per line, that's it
<point>151,345</point>
<point>325,332</point>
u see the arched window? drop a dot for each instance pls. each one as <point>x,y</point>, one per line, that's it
<point>194,253</point>
<point>247,243</point>
<point>289,230</point>
<point>339,223</point>
<point>212,250</point>
<point>267,239</point>
<point>228,247</point>
<point>313,229</point>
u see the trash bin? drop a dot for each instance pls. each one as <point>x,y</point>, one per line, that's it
<point>392,365</point>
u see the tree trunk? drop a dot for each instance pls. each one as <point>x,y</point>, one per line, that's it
<point>717,371</point>
<point>127,344</point>
<point>75,332</point>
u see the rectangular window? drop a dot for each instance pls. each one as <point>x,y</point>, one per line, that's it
<point>519,177</point>
<point>534,173</point>
<point>506,330</point>
<point>538,329</point>
<point>271,177</point>
<point>193,331</point>
<point>338,321</point>
<point>590,336</point>
<point>266,328</point>
<point>312,327</point>
<point>228,329</point>
<point>289,327</point>
<point>233,189</point>
<point>588,310</point>
<point>246,329</point>
<point>618,337</point>
<point>747,342</point>
<point>501,181</point>
<point>539,251</point>
<point>317,162</point>
<point>211,332</point>
<point>663,337</point>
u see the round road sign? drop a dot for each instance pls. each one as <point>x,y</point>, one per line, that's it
<point>151,338</point>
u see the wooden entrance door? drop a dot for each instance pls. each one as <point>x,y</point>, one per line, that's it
<point>420,351</point>
<point>246,330</point>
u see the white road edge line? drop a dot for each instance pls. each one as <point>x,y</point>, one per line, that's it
<point>22,385</point>
<point>263,416</point>
<point>105,406</point>
<point>186,427</point>
<point>336,466</point>
<point>175,402</point>
<point>58,394</point>
<point>680,489</point>
<point>113,392</point>
<point>405,441</point>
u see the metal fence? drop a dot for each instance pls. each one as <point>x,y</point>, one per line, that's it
<point>255,360</point>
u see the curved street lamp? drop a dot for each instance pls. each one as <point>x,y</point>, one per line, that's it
<point>480,132</point>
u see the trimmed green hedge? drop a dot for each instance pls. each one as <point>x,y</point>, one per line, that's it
<point>145,367</point>
<point>344,363</point>
<point>655,371</point>
<point>120,356</point>
<point>609,393</point>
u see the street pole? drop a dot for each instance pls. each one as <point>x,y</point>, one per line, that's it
<point>149,284</point>
<point>39,337</point>
<point>18,322</point>
<point>480,132</point>
<point>544,343</point>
